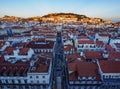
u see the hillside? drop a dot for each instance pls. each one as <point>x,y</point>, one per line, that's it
<point>65,15</point>
<point>56,17</point>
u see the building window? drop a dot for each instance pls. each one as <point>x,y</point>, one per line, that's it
<point>30,76</point>
<point>31,82</point>
<point>25,81</point>
<point>106,76</point>
<point>19,81</point>
<point>43,76</point>
<point>13,82</point>
<point>44,81</point>
<point>37,76</point>
<point>37,81</point>
<point>110,76</point>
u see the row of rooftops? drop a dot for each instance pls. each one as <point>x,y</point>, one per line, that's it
<point>52,33</point>
<point>10,51</point>
<point>39,64</point>
<point>109,53</point>
<point>71,31</point>
<point>18,69</point>
<point>80,69</point>
<point>86,62</point>
<point>75,62</point>
<point>25,46</point>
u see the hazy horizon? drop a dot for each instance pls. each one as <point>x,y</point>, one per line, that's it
<point>105,9</point>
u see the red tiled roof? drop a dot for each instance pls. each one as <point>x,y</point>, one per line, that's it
<point>19,68</point>
<point>47,31</point>
<point>42,68</point>
<point>24,51</point>
<point>39,39</point>
<point>110,66</point>
<point>46,55</point>
<point>42,65</point>
<point>99,43</point>
<point>113,55</point>
<point>22,44</point>
<point>27,34</point>
<point>87,69</point>
<point>104,35</point>
<point>85,42</point>
<point>9,50</point>
<point>73,76</point>
<point>72,66</point>
<point>93,55</point>
<point>73,57</point>
<point>109,48</point>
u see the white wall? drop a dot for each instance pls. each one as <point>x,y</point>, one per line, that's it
<point>41,78</point>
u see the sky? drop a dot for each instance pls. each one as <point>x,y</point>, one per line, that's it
<point>106,9</point>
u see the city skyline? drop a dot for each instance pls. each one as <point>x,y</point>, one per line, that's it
<point>106,9</point>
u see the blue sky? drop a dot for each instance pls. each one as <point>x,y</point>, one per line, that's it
<point>108,9</point>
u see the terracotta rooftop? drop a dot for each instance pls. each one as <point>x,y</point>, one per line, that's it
<point>72,66</point>
<point>22,44</point>
<point>85,42</point>
<point>42,68</point>
<point>109,48</point>
<point>110,66</point>
<point>39,39</point>
<point>91,33</point>
<point>42,65</point>
<point>9,50</point>
<point>73,76</point>
<point>87,69</point>
<point>73,57</point>
<point>99,43</point>
<point>93,55</point>
<point>17,69</point>
<point>24,51</point>
<point>104,35</point>
<point>114,55</point>
<point>27,34</point>
<point>46,55</point>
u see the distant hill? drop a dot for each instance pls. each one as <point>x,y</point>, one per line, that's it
<point>65,15</point>
<point>54,17</point>
<point>10,18</point>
